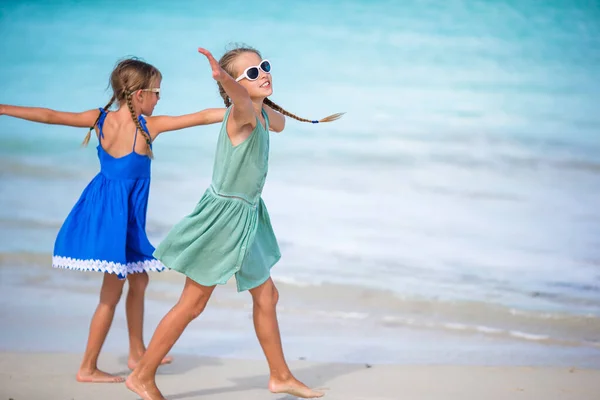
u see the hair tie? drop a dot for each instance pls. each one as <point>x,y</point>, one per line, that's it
<point>314,122</point>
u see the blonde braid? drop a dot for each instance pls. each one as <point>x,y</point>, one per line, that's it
<point>279,109</point>
<point>86,140</point>
<point>139,126</point>
<point>224,95</point>
<point>227,62</point>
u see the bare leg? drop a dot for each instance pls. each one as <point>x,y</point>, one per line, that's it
<point>265,299</point>
<point>110,294</point>
<point>190,305</point>
<point>134,307</point>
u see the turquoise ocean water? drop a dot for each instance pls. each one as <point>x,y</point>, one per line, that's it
<point>462,184</point>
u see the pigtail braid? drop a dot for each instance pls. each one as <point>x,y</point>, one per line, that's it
<point>86,140</point>
<point>279,109</point>
<point>139,126</point>
<point>224,95</point>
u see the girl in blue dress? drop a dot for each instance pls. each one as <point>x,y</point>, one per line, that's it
<point>106,229</point>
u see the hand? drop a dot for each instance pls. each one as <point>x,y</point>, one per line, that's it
<point>217,72</point>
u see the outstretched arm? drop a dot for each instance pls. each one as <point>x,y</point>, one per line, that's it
<point>47,116</point>
<point>242,112</point>
<point>164,123</point>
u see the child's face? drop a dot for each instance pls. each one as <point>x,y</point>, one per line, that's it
<point>149,99</point>
<point>260,88</point>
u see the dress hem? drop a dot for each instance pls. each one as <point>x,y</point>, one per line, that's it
<point>111,267</point>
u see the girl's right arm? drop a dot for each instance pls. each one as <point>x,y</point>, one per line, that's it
<point>47,116</point>
<point>166,123</point>
<point>242,112</point>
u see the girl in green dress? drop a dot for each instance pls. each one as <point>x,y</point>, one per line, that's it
<point>229,232</point>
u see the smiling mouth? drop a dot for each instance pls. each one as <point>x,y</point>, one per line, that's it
<point>266,84</point>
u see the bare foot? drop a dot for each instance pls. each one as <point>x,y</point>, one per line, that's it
<point>97,376</point>
<point>133,362</point>
<point>294,387</point>
<point>146,390</point>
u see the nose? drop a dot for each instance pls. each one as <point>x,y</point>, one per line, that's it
<point>263,77</point>
<point>262,74</point>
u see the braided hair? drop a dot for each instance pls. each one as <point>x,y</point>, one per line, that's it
<point>127,77</point>
<point>227,63</point>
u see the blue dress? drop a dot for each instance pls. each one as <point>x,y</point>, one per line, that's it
<point>106,229</point>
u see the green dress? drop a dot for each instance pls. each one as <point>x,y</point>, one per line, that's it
<point>229,232</point>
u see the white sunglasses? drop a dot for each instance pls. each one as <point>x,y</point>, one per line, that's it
<point>252,73</point>
<point>153,90</point>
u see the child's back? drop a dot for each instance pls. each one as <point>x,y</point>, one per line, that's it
<point>120,135</point>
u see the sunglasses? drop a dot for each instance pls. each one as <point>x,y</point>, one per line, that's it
<point>252,73</point>
<point>153,90</point>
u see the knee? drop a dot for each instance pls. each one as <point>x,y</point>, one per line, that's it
<point>110,301</point>
<point>267,299</point>
<point>111,294</point>
<point>193,300</point>
<point>195,308</point>
<point>138,282</point>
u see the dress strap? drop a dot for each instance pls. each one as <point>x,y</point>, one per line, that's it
<point>101,122</point>
<point>144,127</point>
<point>266,117</point>
<point>135,138</point>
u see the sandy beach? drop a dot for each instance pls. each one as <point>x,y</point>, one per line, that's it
<point>43,336</point>
<point>33,376</point>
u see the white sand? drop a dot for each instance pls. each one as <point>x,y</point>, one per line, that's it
<point>33,376</point>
